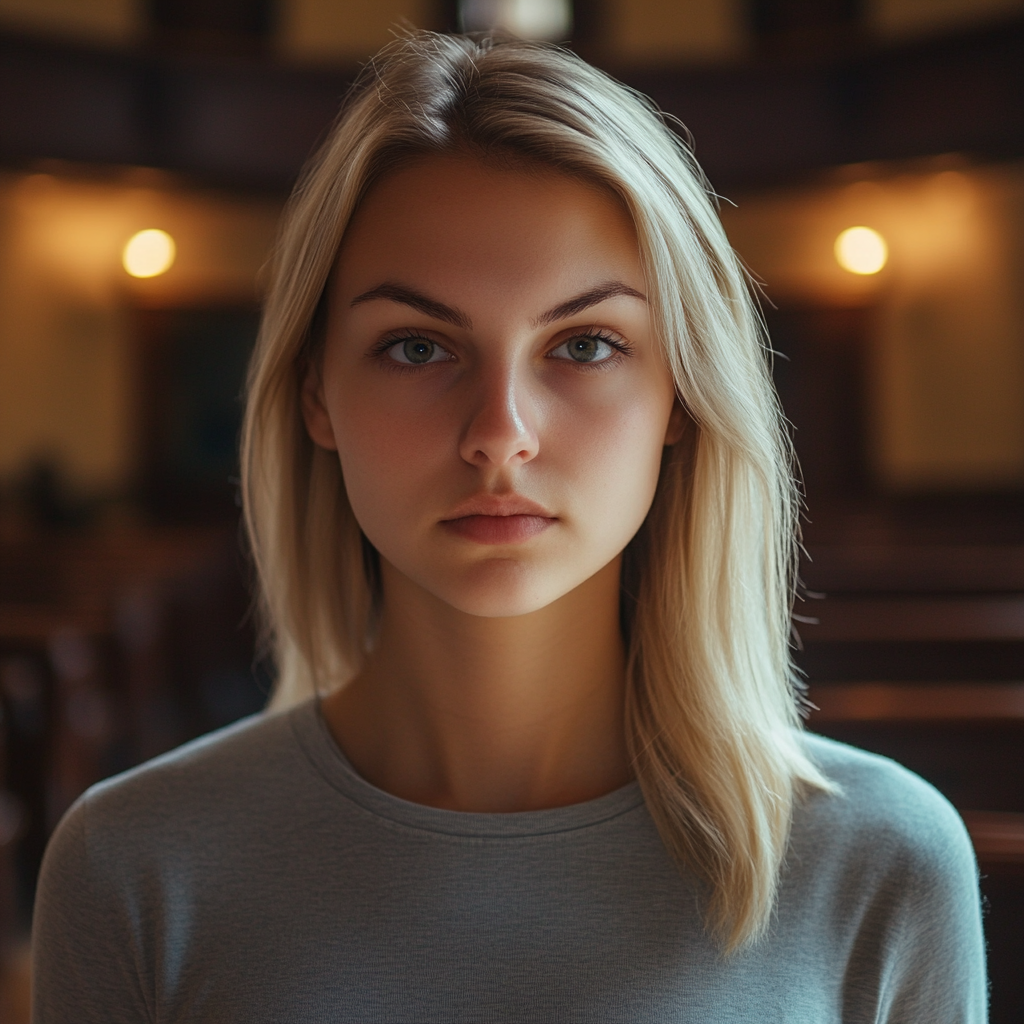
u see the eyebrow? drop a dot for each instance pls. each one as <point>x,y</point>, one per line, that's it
<point>608,290</point>
<point>450,314</point>
<point>411,297</point>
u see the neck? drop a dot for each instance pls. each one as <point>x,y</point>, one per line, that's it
<point>490,714</point>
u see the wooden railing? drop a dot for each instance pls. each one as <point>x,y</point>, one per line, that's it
<point>998,836</point>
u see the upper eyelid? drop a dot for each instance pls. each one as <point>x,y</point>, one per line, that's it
<point>593,330</point>
<point>605,334</point>
<point>392,338</point>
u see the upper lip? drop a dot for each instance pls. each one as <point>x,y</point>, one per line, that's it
<point>498,505</point>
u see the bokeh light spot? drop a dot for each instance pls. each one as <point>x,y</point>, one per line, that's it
<point>149,253</point>
<point>861,250</point>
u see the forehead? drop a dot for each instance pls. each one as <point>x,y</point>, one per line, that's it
<point>445,221</point>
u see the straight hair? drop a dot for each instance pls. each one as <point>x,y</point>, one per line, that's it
<point>712,705</point>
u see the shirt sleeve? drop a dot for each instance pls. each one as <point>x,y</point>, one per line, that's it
<point>85,962</point>
<point>921,951</point>
<point>938,964</point>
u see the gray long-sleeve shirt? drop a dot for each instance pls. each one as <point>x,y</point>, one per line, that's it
<point>254,876</point>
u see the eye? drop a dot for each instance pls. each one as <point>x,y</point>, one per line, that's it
<point>417,351</point>
<point>587,348</point>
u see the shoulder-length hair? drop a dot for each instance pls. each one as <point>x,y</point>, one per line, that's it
<point>712,699</point>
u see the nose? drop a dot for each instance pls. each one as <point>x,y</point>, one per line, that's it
<point>499,431</point>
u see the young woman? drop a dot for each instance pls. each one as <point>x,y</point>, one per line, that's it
<point>521,504</point>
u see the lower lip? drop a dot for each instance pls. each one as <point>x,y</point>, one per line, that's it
<point>498,529</point>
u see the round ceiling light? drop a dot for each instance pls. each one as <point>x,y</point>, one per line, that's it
<point>861,250</point>
<point>149,253</point>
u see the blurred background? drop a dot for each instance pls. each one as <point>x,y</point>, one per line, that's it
<point>870,156</point>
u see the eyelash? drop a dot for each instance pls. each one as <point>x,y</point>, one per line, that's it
<point>621,346</point>
<point>379,351</point>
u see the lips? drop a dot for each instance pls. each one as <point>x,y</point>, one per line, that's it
<point>498,519</point>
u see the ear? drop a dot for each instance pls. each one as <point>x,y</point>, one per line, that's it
<point>677,423</point>
<point>314,412</point>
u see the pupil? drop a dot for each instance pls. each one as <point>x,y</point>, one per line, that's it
<point>418,350</point>
<point>583,350</point>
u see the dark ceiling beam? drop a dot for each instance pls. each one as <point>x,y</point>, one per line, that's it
<point>775,121</point>
<point>249,123</point>
<point>231,120</point>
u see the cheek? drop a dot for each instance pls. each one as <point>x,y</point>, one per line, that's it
<point>616,449</point>
<point>385,448</point>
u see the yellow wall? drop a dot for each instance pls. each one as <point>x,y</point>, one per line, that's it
<point>897,18</point>
<point>636,30</point>
<point>324,31</point>
<point>947,352</point>
<point>66,357</point>
<point>667,30</point>
<point>104,21</point>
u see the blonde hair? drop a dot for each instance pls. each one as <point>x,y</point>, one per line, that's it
<point>712,705</point>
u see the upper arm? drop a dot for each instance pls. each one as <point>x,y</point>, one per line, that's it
<point>938,966</point>
<point>918,956</point>
<point>85,949</point>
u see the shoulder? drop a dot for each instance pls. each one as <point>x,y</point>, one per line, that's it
<point>139,858</point>
<point>882,819</point>
<point>885,865</point>
<point>248,765</point>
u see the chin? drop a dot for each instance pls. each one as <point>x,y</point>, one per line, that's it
<point>502,589</point>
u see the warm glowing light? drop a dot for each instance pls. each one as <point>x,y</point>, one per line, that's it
<point>861,250</point>
<point>149,253</point>
<point>531,19</point>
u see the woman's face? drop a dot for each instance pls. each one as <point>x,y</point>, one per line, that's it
<point>491,382</point>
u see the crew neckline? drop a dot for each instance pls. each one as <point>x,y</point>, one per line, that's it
<point>318,744</point>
